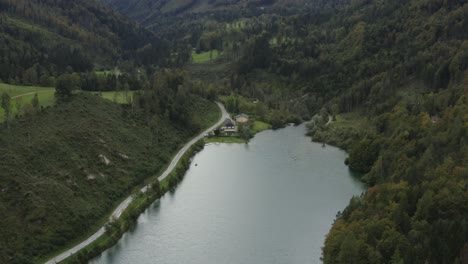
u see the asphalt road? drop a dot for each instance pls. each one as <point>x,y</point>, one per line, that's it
<point>122,206</point>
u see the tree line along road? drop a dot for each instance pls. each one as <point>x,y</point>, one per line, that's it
<point>122,206</point>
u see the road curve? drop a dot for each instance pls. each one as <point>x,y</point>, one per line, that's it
<point>122,206</point>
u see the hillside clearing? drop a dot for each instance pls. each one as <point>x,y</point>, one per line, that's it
<point>204,56</point>
<point>21,97</point>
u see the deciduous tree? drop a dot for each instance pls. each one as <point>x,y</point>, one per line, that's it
<point>6,105</point>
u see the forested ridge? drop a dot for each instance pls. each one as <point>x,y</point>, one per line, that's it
<point>148,11</point>
<point>41,40</point>
<point>64,168</point>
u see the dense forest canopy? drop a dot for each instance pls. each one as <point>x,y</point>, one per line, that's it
<point>147,10</point>
<point>399,68</point>
<point>55,185</point>
<point>385,80</point>
<point>43,39</point>
<point>64,168</point>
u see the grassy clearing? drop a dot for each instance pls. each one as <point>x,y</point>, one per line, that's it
<point>204,56</point>
<point>344,131</point>
<point>224,140</point>
<point>23,95</point>
<point>259,126</point>
<point>16,90</point>
<point>350,121</point>
<point>117,97</point>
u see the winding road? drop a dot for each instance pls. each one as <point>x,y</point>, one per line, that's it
<point>122,206</point>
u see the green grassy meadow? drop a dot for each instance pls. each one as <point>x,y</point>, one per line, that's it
<point>345,130</point>
<point>21,97</point>
<point>259,126</point>
<point>224,139</point>
<point>204,56</point>
<point>117,97</point>
<point>16,90</point>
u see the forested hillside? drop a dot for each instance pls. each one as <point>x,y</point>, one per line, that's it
<point>176,19</point>
<point>386,80</point>
<point>148,11</point>
<point>64,168</point>
<point>40,40</point>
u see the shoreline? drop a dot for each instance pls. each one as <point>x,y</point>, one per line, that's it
<point>108,255</point>
<point>119,211</point>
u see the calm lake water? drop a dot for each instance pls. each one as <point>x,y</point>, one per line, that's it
<point>271,201</point>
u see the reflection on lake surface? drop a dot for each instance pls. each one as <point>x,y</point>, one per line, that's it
<point>271,201</point>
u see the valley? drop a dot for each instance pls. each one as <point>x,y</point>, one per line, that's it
<point>97,97</point>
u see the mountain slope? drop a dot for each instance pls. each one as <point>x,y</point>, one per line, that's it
<point>394,75</point>
<point>41,39</point>
<point>149,12</point>
<point>64,168</point>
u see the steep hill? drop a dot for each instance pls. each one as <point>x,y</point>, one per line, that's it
<point>64,168</point>
<point>41,39</point>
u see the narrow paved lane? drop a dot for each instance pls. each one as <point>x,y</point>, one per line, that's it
<point>119,210</point>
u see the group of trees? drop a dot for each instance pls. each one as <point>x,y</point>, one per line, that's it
<point>29,108</point>
<point>167,93</point>
<point>360,58</point>
<point>409,85</point>
<point>6,106</point>
<point>138,138</point>
<point>41,40</point>
<point>396,63</point>
<point>401,65</point>
<point>416,208</point>
<point>353,51</point>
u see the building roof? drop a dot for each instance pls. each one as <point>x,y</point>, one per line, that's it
<point>228,123</point>
<point>241,115</point>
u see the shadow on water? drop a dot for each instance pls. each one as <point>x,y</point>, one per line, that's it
<point>357,176</point>
<point>229,205</point>
<point>154,208</point>
<point>172,191</point>
<point>247,146</point>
